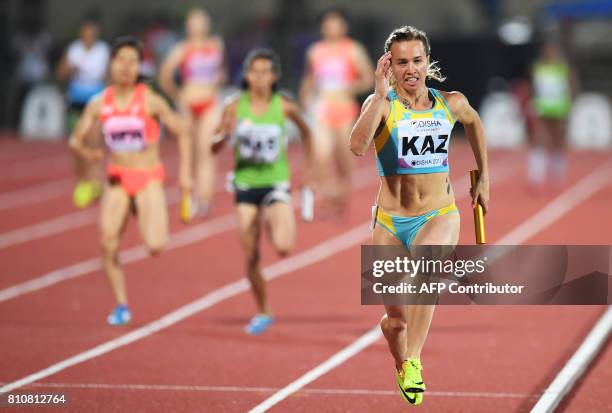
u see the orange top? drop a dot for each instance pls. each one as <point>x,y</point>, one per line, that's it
<point>201,64</point>
<point>130,129</point>
<point>333,65</point>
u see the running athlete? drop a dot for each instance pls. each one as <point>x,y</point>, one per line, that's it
<point>199,60</point>
<point>411,125</point>
<point>338,68</point>
<point>85,66</point>
<point>553,84</point>
<point>256,120</point>
<point>127,112</point>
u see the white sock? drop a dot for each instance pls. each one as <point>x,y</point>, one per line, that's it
<point>558,166</point>
<point>536,166</point>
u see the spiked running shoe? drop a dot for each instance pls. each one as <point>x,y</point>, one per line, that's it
<point>413,398</point>
<point>411,372</point>
<point>121,315</point>
<point>258,324</point>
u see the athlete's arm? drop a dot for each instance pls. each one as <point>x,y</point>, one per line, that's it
<point>307,85</point>
<point>470,120</point>
<point>375,109</point>
<point>226,126</point>
<point>292,112</point>
<point>84,126</point>
<point>224,68</point>
<point>365,71</point>
<point>159,107</point>
<point>167,69</point>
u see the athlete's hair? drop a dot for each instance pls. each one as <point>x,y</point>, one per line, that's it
<point>407,33</point>
<point>255,54</point>
<point>333,11</point>
<point>126,41</point>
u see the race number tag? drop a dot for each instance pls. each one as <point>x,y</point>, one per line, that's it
<point>550,86</point>
<point>125,134</point>
<point>259,142</point>
<point>423,143</point>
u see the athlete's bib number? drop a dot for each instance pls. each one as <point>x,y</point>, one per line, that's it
<point>125,134</point>
<point>423,143</point>
<point>259,143</point>
<point>550,86</point>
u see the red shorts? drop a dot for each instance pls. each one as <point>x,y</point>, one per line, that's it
<point>337,114</point>
<point>200,108</point>
<point>133,180</point>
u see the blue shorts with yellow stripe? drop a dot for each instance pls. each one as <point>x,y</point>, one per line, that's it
<point>405,229</point>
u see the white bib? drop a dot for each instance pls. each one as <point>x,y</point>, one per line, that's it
<point>260,143</point>
<point>125,134</point>
<point>423,143</point>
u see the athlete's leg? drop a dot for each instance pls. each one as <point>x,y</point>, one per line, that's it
<point>558,144</point>
<point>281,225</point>
<point>345,161</point>
<point>152,216</point>
<point>205,167</point>
<point>113,216</point>
<point>87,173</point>
<point>323,155</point>
<point>441,230</point>
<point>249,229</point>
<point>393,323</point>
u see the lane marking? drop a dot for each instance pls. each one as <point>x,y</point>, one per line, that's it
<point>232,389</point>
<point>315,254</point>
<point>79,219</point>
<point>312,255</point>
<point>576,365</point>
<point>328,365</point>
<point>176,240</point>
<point>557,208</point>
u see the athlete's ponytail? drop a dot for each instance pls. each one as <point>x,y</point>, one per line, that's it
<point>407,33</point>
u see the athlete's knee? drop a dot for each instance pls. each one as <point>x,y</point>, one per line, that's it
<point>283,250</point>
<point>393,323</point>
<point>252,260</point>
<point>156,246</point>
<point>109,244</point>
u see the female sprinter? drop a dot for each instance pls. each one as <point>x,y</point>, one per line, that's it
<point>411,125</point>
<point>199,59</point>
<point>256,117</point>
<point>126,111</point>
<point>338,68</point>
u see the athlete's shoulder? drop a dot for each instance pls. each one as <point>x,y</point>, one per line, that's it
<point>454,99</point>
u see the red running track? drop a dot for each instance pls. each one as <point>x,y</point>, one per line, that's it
<point>477,359</point>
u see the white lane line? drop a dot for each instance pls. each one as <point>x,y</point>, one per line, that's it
<point>233,389</point>
<point>81,219</point>
<point>576,365</point>
<point>47,191</point>
<point>318,253</point>
<point>35,194</point>
<point>176,240</point>
<point>329,364</point>
<point>560,206</point>
<point>322,251</point>
<point>558,210</point>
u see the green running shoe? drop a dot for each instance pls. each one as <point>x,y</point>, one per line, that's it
<point>413,382</point>
<point>413,398</point>
<point>85,193</point>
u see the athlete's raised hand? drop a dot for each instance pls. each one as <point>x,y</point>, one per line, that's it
<point>382,75</point>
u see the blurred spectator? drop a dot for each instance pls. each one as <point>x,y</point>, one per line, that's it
<point>30,46</point>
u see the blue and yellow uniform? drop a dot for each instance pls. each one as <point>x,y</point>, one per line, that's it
<point>413,142</point>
